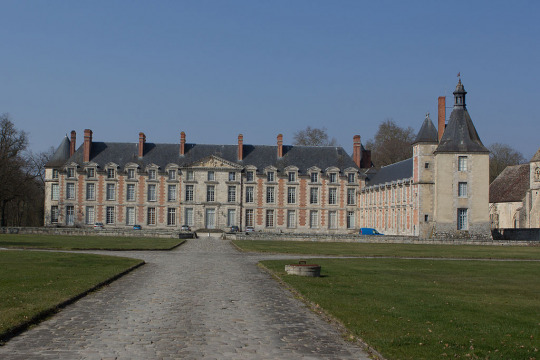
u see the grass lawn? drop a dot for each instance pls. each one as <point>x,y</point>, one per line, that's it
<point>431,309</point>
<point>86,242</point>
<point>397,250</point>
<point>34,283</point>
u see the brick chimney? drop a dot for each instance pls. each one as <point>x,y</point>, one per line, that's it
<point>142,140</point>
<point>280,146</point>
<point>357,150</point>
<point>87,144</point>
<point>72,143</point>
<point>182,143</point>
<point>240,147</point>
<point>442,116</point>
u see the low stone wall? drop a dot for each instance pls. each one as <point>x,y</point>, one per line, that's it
<point>516,234</point>
<point>378,239</point>
<point>155,233</point>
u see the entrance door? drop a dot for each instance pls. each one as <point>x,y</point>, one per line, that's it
<point>210,218</point>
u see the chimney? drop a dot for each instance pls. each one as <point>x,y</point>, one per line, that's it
<point>142,140</point>
<point>442,116</point>
<point>240,147</point>
<point>357,150</point>
<point>72,143</point>
<point>280,146</point>
<point>366,159</point>
<point>87,144</point>
<point>182,143</point>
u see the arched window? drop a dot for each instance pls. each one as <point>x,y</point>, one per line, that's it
<point>537,174</point>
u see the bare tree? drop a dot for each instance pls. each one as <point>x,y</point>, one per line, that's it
<point>501,156</point>
<point>391,143</point>
<point>313,137</point>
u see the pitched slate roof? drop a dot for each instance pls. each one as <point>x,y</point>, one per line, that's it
<point>61,154</point>
<point>536,156</point>
<point>259,156</point>
<point>428,133</point>
<point>401,170</point>
<point>511,185</point>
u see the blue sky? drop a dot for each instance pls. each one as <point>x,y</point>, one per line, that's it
<point>215,69</point>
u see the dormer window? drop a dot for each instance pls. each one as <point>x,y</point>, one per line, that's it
<point>110,173</point>
<point>55,174</point>
<point>151,174</point>
<point>189,175</point>
<point>314,177</point>
<point>292,176</point>
<point>172,174</point>
<point>333,177</point>
<point>131,174</point>
<point>211,176</point>
<point>232,176</point>
<point>90,173</point>
<point>71,172</point>
<point>351,178</point>
<point>249,176</point>
<point>270,176</point>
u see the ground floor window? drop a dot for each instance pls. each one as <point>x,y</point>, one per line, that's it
<point>462,223</point>
<point>249,217</point>
<point>291,218</point>
<point>269,218</point>
<point>171,216</point>
<point>89,215</point>
<point>54,214</point>
<point>188,217</point>
<point>231,217</point>
<point>332,220</point>
<point>314,219</point>
<point>70,215</point>
<point>130,216</point>
<point>350,219</point>
<point>151,216</point>
<point>110,215</point>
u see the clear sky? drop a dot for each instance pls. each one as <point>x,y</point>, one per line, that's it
<point>215,69</point>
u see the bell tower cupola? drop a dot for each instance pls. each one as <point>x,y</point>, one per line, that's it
<point>459,96</point>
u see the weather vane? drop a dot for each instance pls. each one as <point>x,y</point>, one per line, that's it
<point>459,75</point>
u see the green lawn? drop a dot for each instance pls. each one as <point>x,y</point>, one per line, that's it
<point>34,283</point>
<point>431,309</point>
<point>86,242</point>
<point>392,250</point>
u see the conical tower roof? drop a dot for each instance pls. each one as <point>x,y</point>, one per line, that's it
<point>428,132</point>
<point>460,135</point>
<point>61,154</point>
<point>536,156</point>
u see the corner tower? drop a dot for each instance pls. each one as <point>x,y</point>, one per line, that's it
<point>461,206</point>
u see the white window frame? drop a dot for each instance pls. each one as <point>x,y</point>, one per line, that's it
<point>54,214</point>
<point>111,173</point>
<point>351,196</point>
<point>190,192</point>
<point>130,192</point>
<point>462,219</point>
<point>232,176</point>
<point>350,220</point>
<point>291,195</point>
<point>89,215</point>
<point>90,191</point>
<point>110,192</point>
<point>70,191</point>
<point>109,215</point>
<point>314,219</point>
<point>172,174</point>
<point>332,196</point>
<point>55,191</point>
<point>210,193</point>
<point>291,219</point>
<point>270,176</point>
<point>151,192</point>
<point>269,218</point>
<point>211,176</point>
<point>314,177</point>
<point>231,194</point>
<point>314,195</point>
<point>270,195</point>
<point>249,217</point>
<point>152,174</point>
<point>462,163</point>
<point>131,174</point>
<point>250,192</point>
<point>171,216</point>
<point>462,190</point>
<point>130,216</point>
<point>171,193</point>
<point>151,216</point>
<point>188,216</point>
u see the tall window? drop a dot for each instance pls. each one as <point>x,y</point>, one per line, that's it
<point>270,195</point>
<point>54,214</point>
<point>151,192</point>
<point>70,215</point>
<point>313,219</point>
<point>350,219</point>
<point>110,173</point>
<point>210,192</point>
<point>151,174</point>
<point>249,194</point>
<point>189,192</point>
<point>130,216</point>
<point>231,194</point>
<point>292,176</point>
<point>249,176</point>
<point>462,189</point>
<point>55,192</point>
<point>249,217</point>
<point>314,195</point>
<point>211,176</point>
<point>151,216</point>
<point>89,215</point>
<point>232,176</point>
<point>172,174</point>
<point>462,222</point>
<point>90,173</point>
<point>333,177</point>
<point>171,216</point>
<point>70,191</point>
<point>269,218</point>
<point>109,215</point>
<point>270,176</point>
<point>189,175</point>
<point>314,177</point>
<point>332,220</point>
<point>291,195</point>
<point>351,177</point>
<point>131,174</point>
<point>171,193</point>
<point>130,192</point>
<point>332,196</point>
<point>55,174</point>
<point>231,217</point>
<point>188,214</point>
<point>291,218</point>
<point>351,196</point>
<point>462,163</point>
<point>90,191</point>
<point>110,192</point>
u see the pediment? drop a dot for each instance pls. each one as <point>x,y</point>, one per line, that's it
<point>215,162</point>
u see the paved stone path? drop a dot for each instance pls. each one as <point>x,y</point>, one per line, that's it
<point>204,300</point>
